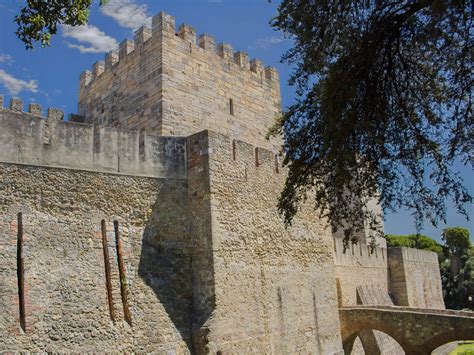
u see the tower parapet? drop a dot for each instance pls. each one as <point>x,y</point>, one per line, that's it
<point>171,82</point>
<point>164,23</point>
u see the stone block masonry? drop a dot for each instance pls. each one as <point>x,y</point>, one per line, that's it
<point>206,262</point>
<point>164,83</point>
<point>359,266</point>
<point>415,279</point>
<point>27,138</point>
<point>265,289</point>
<point>148,223</point>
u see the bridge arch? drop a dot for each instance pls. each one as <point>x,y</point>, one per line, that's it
<point>374,342</point>
<point>418,331</point>
<point>362,331</point>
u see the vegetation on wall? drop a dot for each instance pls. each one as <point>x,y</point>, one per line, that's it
<point>456,259</point>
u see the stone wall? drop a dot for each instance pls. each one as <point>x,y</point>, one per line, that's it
<point>266,289</point>
<point>125,90</point>
<point>359,267</point>
<point>415,279</point>
<point>28,138</point>
<point>201,82</point>
<point>66,298</point>
<point>362,279</point>
<point>164,83</point>
<point>206,191</point>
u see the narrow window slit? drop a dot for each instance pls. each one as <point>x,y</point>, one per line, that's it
<point>233,149</point>
<point>257,162</point>
<point>108,279</point>
<point>231,106</point>
<point>122,275</point>
<point>21,272</point>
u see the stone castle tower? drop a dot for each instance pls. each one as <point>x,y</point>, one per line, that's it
<point>148,222</point>
<point>163,83</point>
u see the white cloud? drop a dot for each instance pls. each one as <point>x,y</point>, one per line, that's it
<point>127,13</point>
<point>6,58</point>
<point>91,38</point>
<point>15,86</point>
<point>267,42</point>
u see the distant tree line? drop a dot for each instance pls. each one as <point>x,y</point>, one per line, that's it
<point>456,262</point>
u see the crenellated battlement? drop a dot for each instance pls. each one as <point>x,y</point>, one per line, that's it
<point>35,109</point>
<point>30,139</point>
<point>164,25</point>
<point>156,207</point>
<point>169,81</point>
<point>360,254</point>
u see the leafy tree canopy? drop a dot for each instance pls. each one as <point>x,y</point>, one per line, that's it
<point>457,270</point>
<point>39,19</point>
<point>384,107</point>
<point>456,240</point>
<point>417,241</point>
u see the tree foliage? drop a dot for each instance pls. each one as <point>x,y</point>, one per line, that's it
<point>38,21</point>
<point>383,108</point>
<point>456,258</point>
<point>418,241</point>
<point>457,270</point>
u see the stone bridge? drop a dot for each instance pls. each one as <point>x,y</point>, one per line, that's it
<point>418,331</point>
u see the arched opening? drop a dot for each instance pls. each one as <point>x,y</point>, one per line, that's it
<point>371,341</point>
<point>461,347</point>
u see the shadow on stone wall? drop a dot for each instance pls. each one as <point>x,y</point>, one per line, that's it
<point>165,261</point>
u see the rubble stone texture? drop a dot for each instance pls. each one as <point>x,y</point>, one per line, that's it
<point>170,146</point>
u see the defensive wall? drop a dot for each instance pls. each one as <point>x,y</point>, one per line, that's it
<point>367,275</point>
<point>149,223</point>
<point>168,83</point>
<point>28,138</point>
<point>274,289</point>
<point>381,276</point>
<point>185,258</point>
<point>415,279</point>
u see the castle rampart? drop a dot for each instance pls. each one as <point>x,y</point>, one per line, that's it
<point>415,279</point>
<point>409,276</point>
<point>49,141</point>
<point>149,222</point>
<point>359,267</point>
<point>187,246</point>
<point>263,282</point>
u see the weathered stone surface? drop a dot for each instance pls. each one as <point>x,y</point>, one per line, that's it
<point>418,331</point>
<point>208,264</point>
<point>267,289</point>
<point>172,86</point>
<point>66,300</point>
<point>28,139</point>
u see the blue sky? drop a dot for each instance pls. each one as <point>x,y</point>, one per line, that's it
<point>50,76</point>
